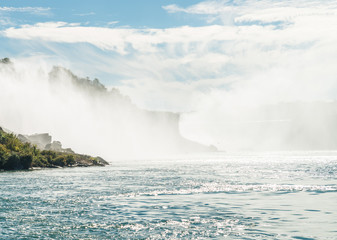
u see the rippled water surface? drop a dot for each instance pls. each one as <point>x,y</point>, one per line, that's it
<point>233,196</point>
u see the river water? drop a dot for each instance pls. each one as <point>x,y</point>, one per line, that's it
<point>284,195</point>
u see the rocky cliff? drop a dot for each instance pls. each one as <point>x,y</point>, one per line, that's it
<point>160,128</point>
<point>84,114</point>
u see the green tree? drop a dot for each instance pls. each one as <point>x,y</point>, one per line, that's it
<point>5,60</point>
<point>3,156</point>
<point>70,160</point>
<point>12,142</point>
<point>26,161</point>
<point>13,163</point>
<point>60,161</point>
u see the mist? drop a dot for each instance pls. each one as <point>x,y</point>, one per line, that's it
<point>292,107</point>
<point>257,76</point>
<point>37,97</point>
<point>293,126</point>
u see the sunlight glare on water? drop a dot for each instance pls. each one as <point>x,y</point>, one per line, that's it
<point>285,195</point>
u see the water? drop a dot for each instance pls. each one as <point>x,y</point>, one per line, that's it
<point>233,196</point>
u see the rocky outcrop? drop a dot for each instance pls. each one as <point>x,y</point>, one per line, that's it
<point>57,146</point>
<point>43,141</point>
<point>21,152</point>
<point>40,140</point>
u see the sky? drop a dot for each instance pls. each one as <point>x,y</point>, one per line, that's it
<point>183,56</point>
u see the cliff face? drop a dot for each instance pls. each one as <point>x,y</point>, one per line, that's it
<point>84,114</point>
<point>40,140</point>
<point>143,130</point>
<point>43,141</point>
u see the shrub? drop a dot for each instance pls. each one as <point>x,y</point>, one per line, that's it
<point>49,156</point>
<point>60,161</point>
<point>3,156</point>
<point>26,161</point>
<point>11,142</point>
<point>13,163</point>
<point>70,160</point>
<point>5,60</point>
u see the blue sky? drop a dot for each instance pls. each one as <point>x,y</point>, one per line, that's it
<point>180,55</point>
<point>137,14</point>
<point>102,13</point>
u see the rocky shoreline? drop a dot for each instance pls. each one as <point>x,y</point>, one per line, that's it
<point>22,152</point>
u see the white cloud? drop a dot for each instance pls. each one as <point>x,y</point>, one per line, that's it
<point>6,21</point>
<point>207,7</point>
<point>113,22</point>
<point>187,39</point>
<point>32,10</point>
<point>266,11</point>
<point>117,39</point>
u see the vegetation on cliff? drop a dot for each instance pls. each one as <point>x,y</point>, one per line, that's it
<point>5,60</point>
<point>18,155</point>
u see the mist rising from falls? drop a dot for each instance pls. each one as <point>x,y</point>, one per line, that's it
<point>266,127</point>
<point>82,114</point>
